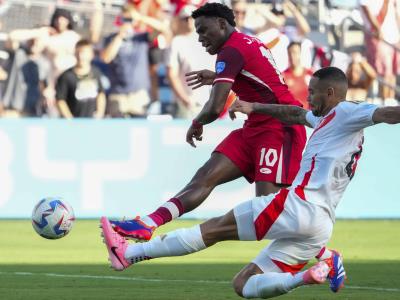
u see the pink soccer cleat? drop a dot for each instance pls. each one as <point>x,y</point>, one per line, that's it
<point>116,246</point>
<point>317,274</point>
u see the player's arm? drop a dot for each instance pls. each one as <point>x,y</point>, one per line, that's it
<point>210,112</point>
<point>289,114</point>
<point>215,105</point>
<point>388,115</point>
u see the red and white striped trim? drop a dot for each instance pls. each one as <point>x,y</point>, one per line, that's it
<point>278,178</point>
<point>269,215</point>
<point>223,79</point>
<point>324,122</point>
<point>293,269</point>
<point>299,190</point>
<point>255,78</point>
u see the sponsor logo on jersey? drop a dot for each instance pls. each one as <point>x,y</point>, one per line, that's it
<point>220,66</point>
<point>265,171</point>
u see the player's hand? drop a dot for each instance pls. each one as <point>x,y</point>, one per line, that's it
<point>240,106</point>
<point>194,132</point>
<point>196,79</point>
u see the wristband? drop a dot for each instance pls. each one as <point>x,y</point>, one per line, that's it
<point>196,124</point>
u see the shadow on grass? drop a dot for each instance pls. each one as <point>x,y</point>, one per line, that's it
<point>177,281</point>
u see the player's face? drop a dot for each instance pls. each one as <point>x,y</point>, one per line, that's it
<point>317,97</point>
<point>211,33</point>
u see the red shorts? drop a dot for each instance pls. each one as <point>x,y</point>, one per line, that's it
<point>264,155</point>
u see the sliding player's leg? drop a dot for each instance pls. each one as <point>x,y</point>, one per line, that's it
<point>265,277</point>
<point>299,229</point>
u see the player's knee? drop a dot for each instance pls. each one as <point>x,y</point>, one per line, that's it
<point>238,283</point>
<point>209,231</point>
<point>218,229</point>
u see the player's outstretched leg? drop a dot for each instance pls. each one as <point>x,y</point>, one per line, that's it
<point>272,284</point>
<point>337,275</point>
<point>176,243</point>
<point>217,170</point>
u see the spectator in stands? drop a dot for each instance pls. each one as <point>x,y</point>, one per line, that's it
<point>60,49</point>
<point>360,75</point>
<point>79,90</point>
<point>59,40</point>
<point>27,74</point>
<point>297,76</point>
<point>187,55</point>
<point>239,8</point>
<point>278,33</point>
<point>127,53</point>
<point>381,34</point>
<point>156,22</point>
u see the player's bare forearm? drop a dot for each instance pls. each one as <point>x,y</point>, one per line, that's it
<point>289,114</point>
<point>215,105</point>
<point>388,115</point>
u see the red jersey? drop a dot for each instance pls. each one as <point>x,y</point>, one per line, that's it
<point>298,85</point>
<point>249,65</point>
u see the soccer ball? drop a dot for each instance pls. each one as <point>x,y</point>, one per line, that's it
<point>52,218</point>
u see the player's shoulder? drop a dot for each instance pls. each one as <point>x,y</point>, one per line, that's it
<point>241,41</point>
<point>352,108</point>
<point>348,105</point>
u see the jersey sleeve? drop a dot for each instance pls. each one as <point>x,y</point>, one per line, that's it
<point>312,120</point>
<point>228,65</point>
<point>360,116</point>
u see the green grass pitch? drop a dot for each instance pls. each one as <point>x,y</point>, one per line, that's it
<point>76,266</point>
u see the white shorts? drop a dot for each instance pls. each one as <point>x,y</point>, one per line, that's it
<point>299,229</point>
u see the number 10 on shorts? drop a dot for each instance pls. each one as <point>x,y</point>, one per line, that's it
<point>268,159</point>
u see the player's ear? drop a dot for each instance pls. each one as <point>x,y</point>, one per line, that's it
<point>222,23</point>
<point>330,91</point>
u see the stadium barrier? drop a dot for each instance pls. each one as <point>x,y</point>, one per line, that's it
<point>129,167</point>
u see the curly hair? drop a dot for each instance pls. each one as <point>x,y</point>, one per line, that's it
<point>215,10</point>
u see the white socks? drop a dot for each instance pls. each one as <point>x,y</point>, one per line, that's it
<point>148,221</point>
<point>270,285</point>
<point>175,243</point>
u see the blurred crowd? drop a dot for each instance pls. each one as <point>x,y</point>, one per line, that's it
<point>138,68</point>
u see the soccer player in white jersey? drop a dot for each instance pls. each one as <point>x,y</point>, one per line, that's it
<point>299,219</point>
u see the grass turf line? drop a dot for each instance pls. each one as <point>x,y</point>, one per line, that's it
<point>371,252</point>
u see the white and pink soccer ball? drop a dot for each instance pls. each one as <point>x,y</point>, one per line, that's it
<point>52,218</point>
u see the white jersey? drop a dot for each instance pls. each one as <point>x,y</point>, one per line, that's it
<point>332,152</point>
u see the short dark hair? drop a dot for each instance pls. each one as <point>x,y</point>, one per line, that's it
<point>61,12</point>
<point>216,10</point>
<point>334,76</point>
<point>83,43</point>
<point>331,74</point>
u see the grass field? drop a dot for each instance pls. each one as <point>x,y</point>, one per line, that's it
<point>76,266</point>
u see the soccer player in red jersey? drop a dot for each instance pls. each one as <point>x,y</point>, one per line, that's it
<point>265,151</point>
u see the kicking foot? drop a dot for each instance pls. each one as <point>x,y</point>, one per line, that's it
<point>116,246</point>
<point>134,229</point>
<point>317,274</point>
<point>337,275</point>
